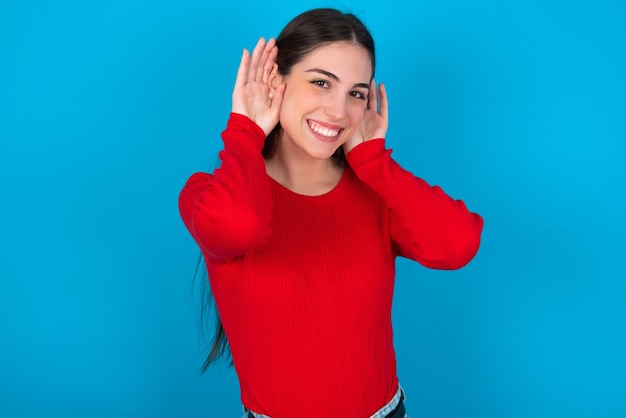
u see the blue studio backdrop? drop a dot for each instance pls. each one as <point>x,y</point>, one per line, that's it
<point>516,107</point>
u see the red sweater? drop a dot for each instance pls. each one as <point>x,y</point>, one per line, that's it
<point>303,284</point>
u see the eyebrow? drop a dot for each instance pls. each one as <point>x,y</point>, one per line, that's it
<point>334,77</point>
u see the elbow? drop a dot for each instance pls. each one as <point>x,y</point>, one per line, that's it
<point>465,252</point>
<point>455,248</point>
<point>229,233</point>
<point>463,246</point>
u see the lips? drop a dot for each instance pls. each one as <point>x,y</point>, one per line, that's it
<point>326,132</point>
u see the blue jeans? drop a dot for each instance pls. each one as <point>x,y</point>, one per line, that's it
<point>381,413</point>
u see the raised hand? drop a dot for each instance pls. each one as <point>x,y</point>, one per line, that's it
<point>374,124</point>
<point>251,94</point>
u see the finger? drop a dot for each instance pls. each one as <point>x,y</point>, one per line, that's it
<point>270,62</point>
<point>261,64</point>
<point>265,57</point>
<point>384,101</point>
<point>372,99</point>
<point>256,57</point>
<point>242,72</point>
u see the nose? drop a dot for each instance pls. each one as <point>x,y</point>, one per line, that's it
<point>335,107</point>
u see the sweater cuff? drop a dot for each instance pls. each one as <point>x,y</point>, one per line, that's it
<point>239,122</point>
<point>366,152</point>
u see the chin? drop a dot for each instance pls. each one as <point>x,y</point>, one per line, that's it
<point>323,154</point>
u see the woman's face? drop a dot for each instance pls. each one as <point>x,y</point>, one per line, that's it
<point>325,98</point>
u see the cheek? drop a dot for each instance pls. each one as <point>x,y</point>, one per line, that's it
<point>298,101</point>
<point>356,112</point>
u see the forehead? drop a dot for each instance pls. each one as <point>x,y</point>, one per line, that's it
<point>349,61</point>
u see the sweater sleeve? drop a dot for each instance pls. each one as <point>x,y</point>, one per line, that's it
<point>425,224</point>
<point>228,213</point>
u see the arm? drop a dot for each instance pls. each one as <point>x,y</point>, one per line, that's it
<point>426,225</point>
<point>228,213</point>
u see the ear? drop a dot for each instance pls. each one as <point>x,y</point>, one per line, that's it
<point>275,79</point>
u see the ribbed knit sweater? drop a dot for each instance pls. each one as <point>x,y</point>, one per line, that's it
<point>304,284</point>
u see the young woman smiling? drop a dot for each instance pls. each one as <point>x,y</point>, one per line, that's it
<point>301,223</point>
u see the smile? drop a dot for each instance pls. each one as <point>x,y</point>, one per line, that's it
<point>323,131</point>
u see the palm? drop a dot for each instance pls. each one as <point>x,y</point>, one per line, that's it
<point>374,124</point>
<point>251,95</point>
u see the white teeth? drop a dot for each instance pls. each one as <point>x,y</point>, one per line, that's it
<point>317,128</point>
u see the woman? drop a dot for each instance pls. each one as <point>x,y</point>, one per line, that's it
<point>302,222</point>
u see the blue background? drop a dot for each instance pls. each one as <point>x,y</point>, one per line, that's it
<point>516,107</point>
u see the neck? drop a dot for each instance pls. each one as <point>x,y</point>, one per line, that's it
<point>301,173</point>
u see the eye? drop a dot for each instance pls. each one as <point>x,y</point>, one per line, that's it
<point>358,95</point>
<point>320,83</point>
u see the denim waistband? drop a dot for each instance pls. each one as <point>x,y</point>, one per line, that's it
<point>391,405</point>
<point>381,413</point>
